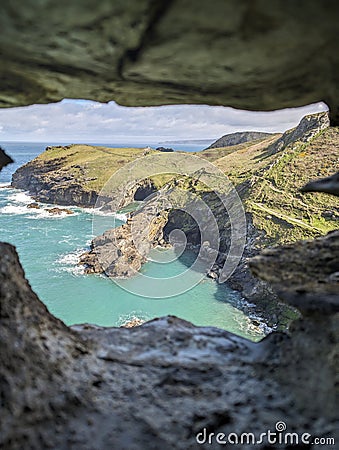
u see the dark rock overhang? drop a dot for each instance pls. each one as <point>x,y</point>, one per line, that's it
<point>262,55</point>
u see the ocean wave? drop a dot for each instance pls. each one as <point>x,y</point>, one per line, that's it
<point>68,262</point>
<point>32,213</point>
<point>121,216</point>
<point>20,197</point>
<point>100,212</point>
<point>134,318</point>
<point>18,202</point>
<point>4,185</point>
<point>44,214</point>
<point>14,209</point>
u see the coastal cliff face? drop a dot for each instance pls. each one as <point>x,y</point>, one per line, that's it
<point>73,174</point>
<point>268,176</point>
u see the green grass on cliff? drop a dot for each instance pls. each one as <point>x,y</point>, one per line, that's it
<point>273,181</point>
<point>91,166</point>
<point>268,182</point>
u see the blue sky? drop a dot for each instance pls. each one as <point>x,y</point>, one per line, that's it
<point>87,121</point>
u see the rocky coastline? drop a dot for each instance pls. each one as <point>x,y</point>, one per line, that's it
<point>162,384</point>
<point>115,253</point>
<point>252,289</point>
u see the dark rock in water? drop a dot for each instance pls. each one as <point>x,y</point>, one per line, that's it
<point>59,211</point>
<point>120,252</point>
<point>114,254</point>
<point>33,205</point>
<point>304,274</point>
<point>89,387</point>
<point>164,149</point>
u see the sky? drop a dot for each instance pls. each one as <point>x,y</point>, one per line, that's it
<point>87,121</point>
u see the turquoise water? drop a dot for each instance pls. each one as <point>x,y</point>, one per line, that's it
<point>49,248</point>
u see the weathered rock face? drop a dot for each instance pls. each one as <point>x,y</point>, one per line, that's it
<point>308,127</point>
<point>44,184</point>
<point>94,388</point>
<point>313,290</point>
<point>265,55</point>
<point>91,387</point>
<point>37,353</point>
<point>120,252</point>
<point>238,138</point>
<point>75,174</point>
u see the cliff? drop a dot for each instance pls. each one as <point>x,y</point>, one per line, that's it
<point>72,174</point>
<point>268,176</point>
<point>231,139</point>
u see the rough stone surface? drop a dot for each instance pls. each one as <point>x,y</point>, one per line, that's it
<point>315,290</point>
<point>120,252</point>
<point>309,126</point>
<point>156,385</point>
<point>75,174</point>
<point>46,184</point>
<point>261,55</point>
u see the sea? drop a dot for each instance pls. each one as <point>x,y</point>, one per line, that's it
<point>49,247</point>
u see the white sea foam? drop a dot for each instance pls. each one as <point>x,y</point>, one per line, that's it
<point>20,197</point>
<point>69,263</point>
<point>121,216</point>
<point>18,202</point>
<point>100,212</point>
<point>133,317</point>
<point>13,209</point>
<point>44,214</point>
<point>5,185</point>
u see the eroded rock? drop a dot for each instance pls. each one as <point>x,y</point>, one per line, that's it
<point>259,56</point>
<point>304,274</point>
<point>58,211</point>
<point>156,385</point>
<point>120,252</point>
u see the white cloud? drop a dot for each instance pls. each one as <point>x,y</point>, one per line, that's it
<point>86,121</point>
